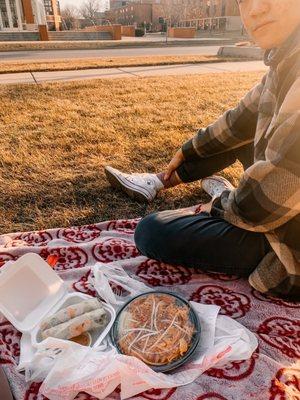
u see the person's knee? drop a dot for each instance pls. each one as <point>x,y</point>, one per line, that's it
<point>162,234</point>
<point>145,233</point>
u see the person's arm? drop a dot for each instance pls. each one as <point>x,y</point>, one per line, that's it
<point>233,129</point>
<point>268,195</point>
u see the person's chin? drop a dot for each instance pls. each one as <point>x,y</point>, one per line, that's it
<point>266,36</point>
<point>265,42</point>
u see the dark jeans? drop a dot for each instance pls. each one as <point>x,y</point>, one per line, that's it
<point>194,170</point>
<point>202,241</point>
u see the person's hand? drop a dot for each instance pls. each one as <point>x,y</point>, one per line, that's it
<point>176,161</point>
<point>206,207</point>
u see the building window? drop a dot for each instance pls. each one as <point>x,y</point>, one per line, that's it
<point>223,10</point>
<point>4,15</point>
<point>9,20</point>
<point>48,7</point>
<point>14,15</point>
<point>51,26</point>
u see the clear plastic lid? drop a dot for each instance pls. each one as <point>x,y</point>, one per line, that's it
<point>159,328</point>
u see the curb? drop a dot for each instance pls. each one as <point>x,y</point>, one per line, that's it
<point>254,53</point>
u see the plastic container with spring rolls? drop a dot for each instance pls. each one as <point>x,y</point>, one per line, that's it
<point>160,328</point>
<point>31,290</point>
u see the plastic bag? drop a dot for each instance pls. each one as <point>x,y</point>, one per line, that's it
<point>104,274</point>
<point>98,372</point>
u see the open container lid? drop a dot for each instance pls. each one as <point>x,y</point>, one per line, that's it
<point>29,288</point>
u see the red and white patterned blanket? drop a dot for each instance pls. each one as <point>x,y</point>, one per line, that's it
<point>272,373</point>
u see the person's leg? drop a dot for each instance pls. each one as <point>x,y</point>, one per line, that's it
<point>245,155</point>
<point>191,171</point>
<point>145,186</point>
<point>201,241</point>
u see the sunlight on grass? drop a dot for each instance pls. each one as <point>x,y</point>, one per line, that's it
<point>56,138</point>
<point>106,62</point>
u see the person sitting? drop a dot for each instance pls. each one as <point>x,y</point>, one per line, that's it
<point>252,230</point>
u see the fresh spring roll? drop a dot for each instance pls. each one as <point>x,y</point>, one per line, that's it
<point>70,312</point>
<point>96,319</point>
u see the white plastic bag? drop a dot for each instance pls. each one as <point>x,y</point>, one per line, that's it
<point>104,274</point>
<point>99,372</point>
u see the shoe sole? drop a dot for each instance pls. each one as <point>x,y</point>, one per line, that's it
<point>219,179</point>
<point>125,186</point>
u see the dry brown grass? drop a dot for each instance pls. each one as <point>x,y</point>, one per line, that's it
<point>98,44</point>
<point>106,62</point>
<point>56,138</point>
<point>66,45</point>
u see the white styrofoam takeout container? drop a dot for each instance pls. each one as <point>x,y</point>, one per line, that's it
<point>30,290</point>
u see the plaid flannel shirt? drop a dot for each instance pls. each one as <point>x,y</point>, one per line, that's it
<point>268,196</point>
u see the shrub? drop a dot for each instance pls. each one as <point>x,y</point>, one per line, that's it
<point>139,32</point>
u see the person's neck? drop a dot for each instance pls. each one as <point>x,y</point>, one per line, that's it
<point>274,55</point>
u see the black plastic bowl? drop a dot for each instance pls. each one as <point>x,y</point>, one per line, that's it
<point>194,342</point>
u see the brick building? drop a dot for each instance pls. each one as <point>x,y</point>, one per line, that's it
<point>26,15</point>
<point>130,14</point>
<point>220,8</point>
<point>202,14</point>
<point>213,15</point>
<point>113,4</point>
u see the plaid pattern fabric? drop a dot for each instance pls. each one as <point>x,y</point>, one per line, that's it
<point>268,197</point>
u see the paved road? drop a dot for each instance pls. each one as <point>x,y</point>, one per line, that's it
<point>125,52</point>
<point>129,72</point>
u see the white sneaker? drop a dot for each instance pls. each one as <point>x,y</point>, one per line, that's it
<point>141,187</point>
<point>215,185</point>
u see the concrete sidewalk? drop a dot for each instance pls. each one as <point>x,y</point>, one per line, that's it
<point>129,72</point>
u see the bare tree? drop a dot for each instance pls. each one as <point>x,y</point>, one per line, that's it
<point>172,11</point>
<point>69,15</point>
<point>179,10</point>
<point>90,9</point>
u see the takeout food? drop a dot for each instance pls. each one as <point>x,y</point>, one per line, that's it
<point>74,320</point>
<point>84,339</point>
<point>158,328</point>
